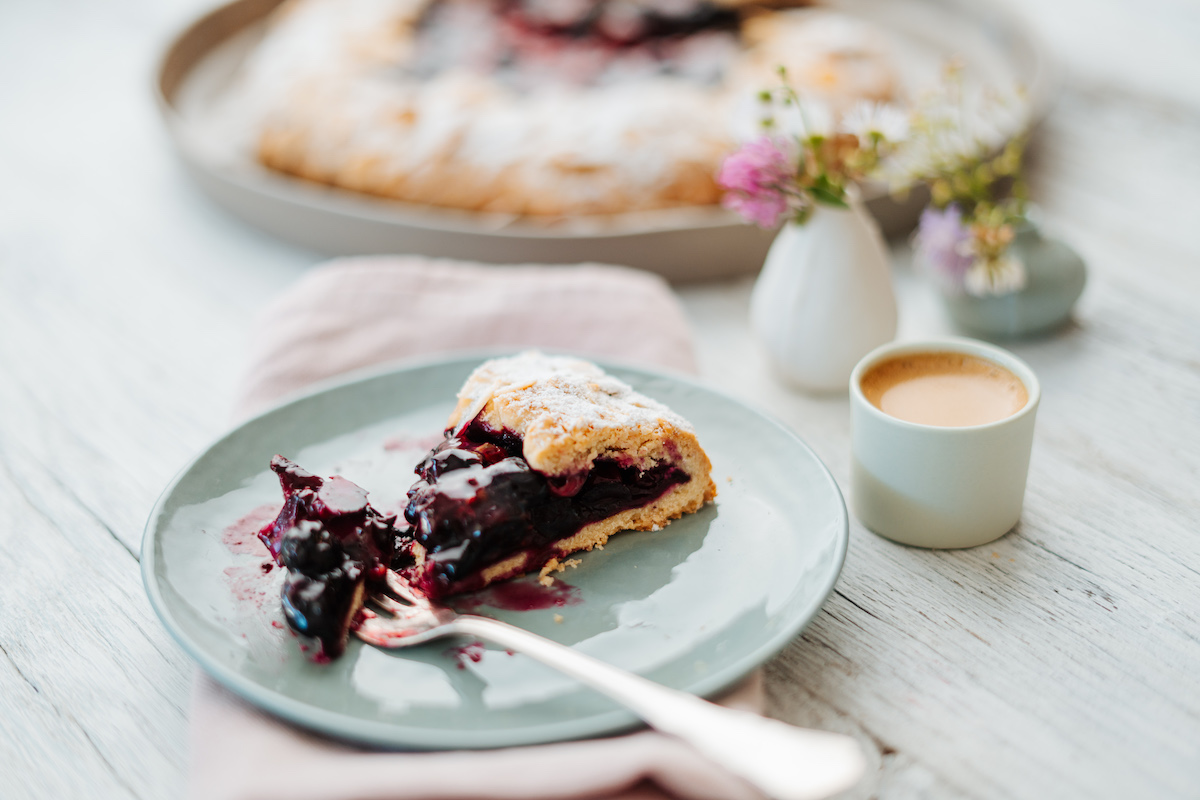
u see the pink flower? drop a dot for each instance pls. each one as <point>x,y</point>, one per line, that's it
<point>756,178</point>
<point>764,209</point>
<point>760,164</point>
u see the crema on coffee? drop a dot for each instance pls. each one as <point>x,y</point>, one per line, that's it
<point>944,389</point>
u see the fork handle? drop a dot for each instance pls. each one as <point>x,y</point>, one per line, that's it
<point>782,761</point>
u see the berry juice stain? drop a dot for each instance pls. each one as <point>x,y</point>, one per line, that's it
<point>403,443</point>
<point>242,536</point>
<point>521,596</point>
<point>472,652</point>
<point>246,585</point>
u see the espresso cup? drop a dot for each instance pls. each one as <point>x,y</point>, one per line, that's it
<point>939,485</point>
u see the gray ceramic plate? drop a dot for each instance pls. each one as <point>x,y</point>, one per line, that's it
<point>695,606</point>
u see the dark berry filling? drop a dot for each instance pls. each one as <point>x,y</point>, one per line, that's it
<point>619,23</point>
<point>334,546</point>
<point>478,503</point>
<point>582,42</point>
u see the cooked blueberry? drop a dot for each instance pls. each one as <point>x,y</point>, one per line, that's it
<point>310,548</point>
<point>323,608</point>
<point>447,459</point>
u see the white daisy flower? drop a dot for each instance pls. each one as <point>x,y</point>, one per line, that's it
<point>1000,276</point>
<point>867,119</point>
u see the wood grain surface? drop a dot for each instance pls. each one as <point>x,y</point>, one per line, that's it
<point>1062,661</point>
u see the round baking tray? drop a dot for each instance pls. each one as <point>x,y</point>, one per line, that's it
<point>202,63</point>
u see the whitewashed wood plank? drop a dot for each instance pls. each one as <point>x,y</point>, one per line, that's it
<point>1145,49</point>
<point>76,624</point>
<point>32,728</point>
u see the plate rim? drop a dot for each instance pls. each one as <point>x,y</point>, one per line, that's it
<point>393,735</point>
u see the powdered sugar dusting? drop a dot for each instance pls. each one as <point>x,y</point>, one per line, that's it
<point>573,392</point>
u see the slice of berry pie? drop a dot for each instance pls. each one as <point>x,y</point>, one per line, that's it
<point>545,456</point>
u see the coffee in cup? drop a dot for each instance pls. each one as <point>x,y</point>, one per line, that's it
<point>941,433</point>
<point>946,388</point>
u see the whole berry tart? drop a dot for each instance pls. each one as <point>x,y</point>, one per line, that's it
<point>537,107</point>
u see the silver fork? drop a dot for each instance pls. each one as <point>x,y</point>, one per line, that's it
<point>780,760</point>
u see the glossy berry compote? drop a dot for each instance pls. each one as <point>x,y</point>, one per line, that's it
<point>334,546</point>
<point>527,43</point>
<point>617,22</point>
<point>478,503</point>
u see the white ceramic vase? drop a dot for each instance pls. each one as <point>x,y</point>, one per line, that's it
<point>824,298</point>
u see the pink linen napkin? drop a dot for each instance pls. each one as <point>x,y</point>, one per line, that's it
<point>355,312</point>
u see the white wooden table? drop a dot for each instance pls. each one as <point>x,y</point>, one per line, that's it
<point>1061,661</point>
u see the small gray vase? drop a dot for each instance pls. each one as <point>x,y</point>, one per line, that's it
<point>1055,277</point>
